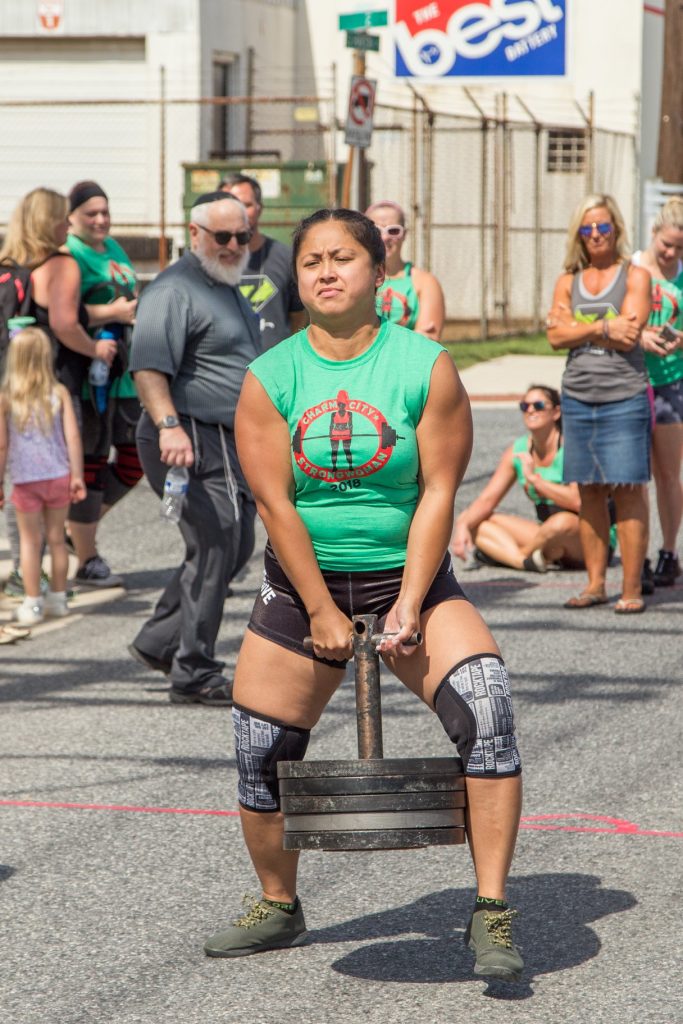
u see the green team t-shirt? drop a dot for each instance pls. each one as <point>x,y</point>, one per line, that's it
<point>354,449</point>
<point>667,308</point>
<point>104,277</point>
<point>552,473</point>
<point>397,299</point>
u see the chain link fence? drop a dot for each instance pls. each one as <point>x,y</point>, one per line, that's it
<point>488,199</point>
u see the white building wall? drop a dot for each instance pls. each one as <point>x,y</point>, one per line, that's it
<point>604,55</point>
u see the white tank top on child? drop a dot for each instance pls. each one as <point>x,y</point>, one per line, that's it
<point>34,455</point>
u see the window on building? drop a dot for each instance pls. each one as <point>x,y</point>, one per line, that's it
<point>224,125</point>
<point>567,150</point>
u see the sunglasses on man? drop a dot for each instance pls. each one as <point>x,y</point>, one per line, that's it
<point>604,228</point>
<point>538,406</point>
<point>225,237</point>
<point>392,230</point>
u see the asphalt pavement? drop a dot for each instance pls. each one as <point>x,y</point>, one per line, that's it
<point>121,850</point>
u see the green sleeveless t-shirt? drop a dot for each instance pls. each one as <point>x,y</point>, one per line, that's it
<point>667,308</point>
<point>397,299</point>
<point>104,277</point>
<point>354,450</point>
<point>551,473</point>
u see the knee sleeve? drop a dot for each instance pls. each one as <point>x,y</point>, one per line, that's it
<point>93,472</point>
<point>474,706</point>
<point>122,475</point>
<point>260,743</point>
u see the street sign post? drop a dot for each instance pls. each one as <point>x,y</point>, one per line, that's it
<point>365,19</point>
<point>362,41</point>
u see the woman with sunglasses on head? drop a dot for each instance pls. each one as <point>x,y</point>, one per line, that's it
<point>600,306</point>
<point>535,461</point>
<point>662,342</point>
<point>110,414</point>
<point>368,536</point>
<point>409,296</point>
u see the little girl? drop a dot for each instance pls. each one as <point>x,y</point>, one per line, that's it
<point>39,433</point>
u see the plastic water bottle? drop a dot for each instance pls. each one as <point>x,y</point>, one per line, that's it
<point>175,492</point>
<point>98,374</point>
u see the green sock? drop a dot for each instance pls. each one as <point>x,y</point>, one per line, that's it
<point>487,903</point>
<point>289,908</point>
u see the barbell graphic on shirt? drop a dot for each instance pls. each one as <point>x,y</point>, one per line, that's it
<point>387,439</point>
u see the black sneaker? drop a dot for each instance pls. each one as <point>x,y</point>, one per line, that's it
<point>647,579</point>
<point>96,573</point>
<point>214,695</point>
<point>148,660</point>
<point>668,569</point>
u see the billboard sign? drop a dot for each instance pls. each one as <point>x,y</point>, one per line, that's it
<point>492,38</point>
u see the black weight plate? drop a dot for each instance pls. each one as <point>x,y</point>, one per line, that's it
<point>379,784</point>
<point>378,766</point>
<point>398,839</point>
<point>335,803</point>
<point>374,821</point>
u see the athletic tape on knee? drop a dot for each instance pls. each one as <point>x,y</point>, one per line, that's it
<point>474,706</point>
<point>259,744</point>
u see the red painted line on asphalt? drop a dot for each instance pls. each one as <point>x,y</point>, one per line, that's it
<point>615,826</point>
<point>116,807</point>
<point>533,822</point>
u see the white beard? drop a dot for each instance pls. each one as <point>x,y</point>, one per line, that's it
<point>223,274</point>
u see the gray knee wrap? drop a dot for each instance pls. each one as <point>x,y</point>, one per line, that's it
<point>474,706</point>
<point>260,743</point>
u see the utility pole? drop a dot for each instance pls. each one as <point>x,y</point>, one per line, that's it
<point>670,149</point>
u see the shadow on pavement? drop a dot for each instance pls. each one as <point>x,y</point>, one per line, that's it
<point>552,932</point>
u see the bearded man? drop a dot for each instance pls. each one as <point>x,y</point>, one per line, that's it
<point>194,337</point>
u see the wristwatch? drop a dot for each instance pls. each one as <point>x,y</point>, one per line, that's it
<point>168,421</point>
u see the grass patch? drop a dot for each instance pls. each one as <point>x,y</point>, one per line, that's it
<point>467,353</point>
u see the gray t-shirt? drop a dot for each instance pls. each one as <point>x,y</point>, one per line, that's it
<point>269,287</point>
<point>201,334</point>
<point>595,374</point>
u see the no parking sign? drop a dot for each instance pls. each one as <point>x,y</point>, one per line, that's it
<point>361,106</point>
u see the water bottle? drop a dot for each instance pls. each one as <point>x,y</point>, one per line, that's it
<point>175,493</point>
<point>98,374</point>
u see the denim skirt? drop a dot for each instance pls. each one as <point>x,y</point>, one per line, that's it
<point>608,442</point>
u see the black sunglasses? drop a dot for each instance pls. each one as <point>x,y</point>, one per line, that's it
<point>538,406</point>
<point>225,237</point>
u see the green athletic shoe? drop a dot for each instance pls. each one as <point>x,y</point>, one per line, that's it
<point>489,934</point>
<point>262,927</point>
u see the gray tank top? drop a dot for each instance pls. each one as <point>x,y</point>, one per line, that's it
<point>596,374</point>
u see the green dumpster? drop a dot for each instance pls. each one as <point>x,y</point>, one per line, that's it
<point>290,190</point>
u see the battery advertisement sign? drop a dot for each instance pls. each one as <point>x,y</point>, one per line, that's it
<point>491,38</point>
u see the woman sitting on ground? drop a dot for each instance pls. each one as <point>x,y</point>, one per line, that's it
<point>535,461</point>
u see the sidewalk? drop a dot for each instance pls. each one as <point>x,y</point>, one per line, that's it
<point>502,382</point>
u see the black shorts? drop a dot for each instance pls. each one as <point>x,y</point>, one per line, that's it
<point>279,614</point>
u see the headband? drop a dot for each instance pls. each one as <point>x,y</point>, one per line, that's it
<point>213,197</point>
<point>82,192</point>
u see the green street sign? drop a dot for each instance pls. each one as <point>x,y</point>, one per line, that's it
<point>362,41</point>
<point>366,19</point>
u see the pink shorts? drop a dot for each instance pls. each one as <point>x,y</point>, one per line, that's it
<point>39,494</point>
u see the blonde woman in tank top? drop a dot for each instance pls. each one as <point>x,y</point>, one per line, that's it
<point>600,305</point>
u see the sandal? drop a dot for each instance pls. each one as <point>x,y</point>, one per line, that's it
<point>18,632</point>
<point>586,600</point>
<point>6,637</point>
<point>629,606</point>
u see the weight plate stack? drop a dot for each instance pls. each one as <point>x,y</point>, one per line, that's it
<point>382,804</point>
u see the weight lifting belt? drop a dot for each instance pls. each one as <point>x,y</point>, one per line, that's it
<point>474,706</point>
<point>259,744</point>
